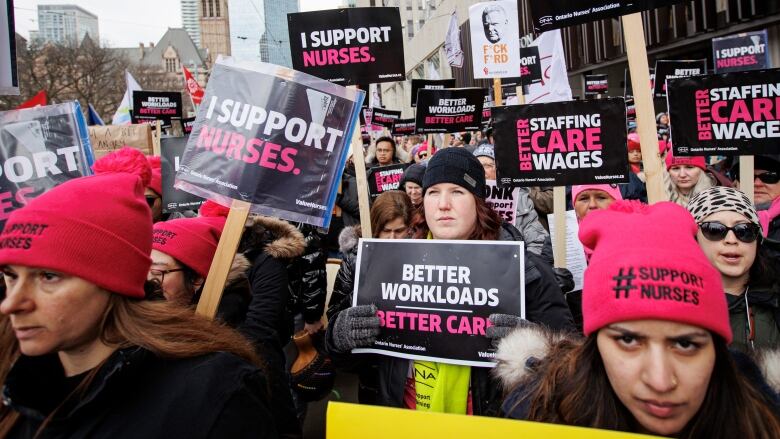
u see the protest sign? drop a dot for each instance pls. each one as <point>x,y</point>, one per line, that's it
<point>530,66</point>
<point>272,137</point>
<point>109,138</point>
<point>175,200</point>
<point>667,69</point>
<point>726,114</point>
<point>187,124</point>
<point>555,14</point>
<point>487,120</point>
<point>385,178</point>
<point>9,80</point>
<point>742,52</point>
<point>151,106</point>
<point>595,85</point>
<point>347,46</point>
<point>40,148</point>
<point>449,111</point>
<point>384,118</point>
<point>575,252</point>
<point>502,200</point>
<point>495,39</point>
<point>434,296</point>
<point>561,143</point>
<point>429,84</point>
<point>403,127</point>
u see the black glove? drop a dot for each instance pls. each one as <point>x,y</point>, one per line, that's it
<point>355,327</point>
<point>503,324</point>
<point>564,278</point>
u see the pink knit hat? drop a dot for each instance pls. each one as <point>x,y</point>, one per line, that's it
<point>611,189</point>
<point>633,142</point>
<point>672,160</point>
<point>660,274</point>
<point>155,183</point>
<point>98,228</point>
<point>191,241</point>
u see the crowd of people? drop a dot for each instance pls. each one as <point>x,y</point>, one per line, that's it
<point>100,336</point>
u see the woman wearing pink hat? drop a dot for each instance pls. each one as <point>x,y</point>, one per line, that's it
<point>95,359</point>
<point>654,358</point>
<point>686,177</point>
<point>589,197</point>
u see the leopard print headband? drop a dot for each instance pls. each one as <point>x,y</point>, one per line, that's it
<point>719,199</point>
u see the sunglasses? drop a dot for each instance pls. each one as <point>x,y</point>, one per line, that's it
<point>150,199</point>
<point>768,177</point>
<point>715,231</point>
<point>422,156</point>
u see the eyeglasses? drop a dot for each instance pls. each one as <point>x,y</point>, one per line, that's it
<point>422,156</point>
<point>768,177</point>
<point>160,274</point>
<point>715,231</point>
<point>150,199</point>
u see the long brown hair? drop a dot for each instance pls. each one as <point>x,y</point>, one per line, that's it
<point>389,206</point>
<point>571,387</point>
<point>487,227</point>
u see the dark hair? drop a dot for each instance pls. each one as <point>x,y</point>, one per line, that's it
<point>570,386</point>
<point>387,139</point>
<point>389,206</point>
<point>466,137</point>
<point>487,227</point>
<point>763,273</point>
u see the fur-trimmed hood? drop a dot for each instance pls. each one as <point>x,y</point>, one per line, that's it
<point>534,342</point>
<point>238,269</point>
<point>276,237</point>
<point>348,239</point>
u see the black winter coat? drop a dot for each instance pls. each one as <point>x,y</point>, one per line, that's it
<point>137,394</point>
<point>308,278</point>
<point>347,200</point>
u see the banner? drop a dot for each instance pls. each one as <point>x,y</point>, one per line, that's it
<point>175,200</point>
<point>561,143</point>
<point>435,296</point>
<point>502,200</point>
<point>595,85</point>
<point>40,148</point>
<point>109,138</point>
<point>384,118</point>
<point>555,14</point>
<point>122,114</point>
<point>727,114</point>
<point>385,178</point>
<point>429,84</point>
<point>742,52</point>
<point>449,111</point>
<point>403,127</point>
<point>554,86</point>
<point>272,137</point>
<point>348,46</point>
<point>9,79</point>
<point>665,70</point>
<point>150,106</point>
<point>452,46</point>
<point>495,39</point>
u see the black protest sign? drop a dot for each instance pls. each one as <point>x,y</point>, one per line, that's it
<point>175,200</point>
<point>555,14</point>
<point>271,137</point>
<point>434,297</point>
<point>347,46</point>
<point>187,124</point>
<point>727,114</point>
<point>150,106</point>
<point>403,127</point>
<point>449,111</point>
<point>630,109</point>
<point>561,143</point>
<point>629,90</point>
<point>670,69</point>
<point>384,118</point>
<point>739,53</point>
<point>429,84</point>
<point>596,85</point>
<point>530,66</point>
<point>40,148</point>
<point>487,117</point>
<point>385,178</point>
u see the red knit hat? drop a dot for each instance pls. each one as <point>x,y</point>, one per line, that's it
<point>661,274</point>
<point>98,228</point>
<point>155,183</point>
<point>633,142</point>
<point>191,241</point>
<point>672,160</point>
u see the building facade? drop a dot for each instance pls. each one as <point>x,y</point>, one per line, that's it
<point>65,24</point>
<point>214,28</point>
<point>275,41</point>
<point>246,29</point>
<point>190,19</point>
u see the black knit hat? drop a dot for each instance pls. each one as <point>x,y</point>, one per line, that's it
<point>414,174</point>
<point>456,166</point>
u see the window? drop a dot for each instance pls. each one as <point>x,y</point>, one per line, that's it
<point>408,5</point>
<point>217,12</point>
<point>410,29</point>
<point>171,65</point>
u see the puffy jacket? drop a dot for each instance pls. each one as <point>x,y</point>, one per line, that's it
<point>308,281</point>
<point>347,200</point>
<point>763,304</point>
<point>527,221</point>
<point>138,394</point>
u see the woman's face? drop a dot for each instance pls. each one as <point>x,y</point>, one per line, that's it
<point>414,191</point>
<point>173,284</point>
<point>51,311</point>
<point>395,229</point>
<point>450,211</point>
<point>660,370</point>
<point>489,165</point>
<point>664,119</point>
<point>685,177</point>
<point>635,156</point>
<point>730,256</point>
<point>591,199</point>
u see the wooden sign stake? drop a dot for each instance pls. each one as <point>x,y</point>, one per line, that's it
<point>156,140</point>
<point>223,259</point>
<point>559,209</point>
<point>634,34</point>
<point>747,176</point>
<point>497,98</point>
<point>362,181</point>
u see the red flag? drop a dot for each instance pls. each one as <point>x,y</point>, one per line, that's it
<point>195,90</point>
<point>39,99</point>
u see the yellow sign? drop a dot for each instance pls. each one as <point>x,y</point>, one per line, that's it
<point>362,421</point>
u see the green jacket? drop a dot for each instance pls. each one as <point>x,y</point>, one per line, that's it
<point>764,308</point>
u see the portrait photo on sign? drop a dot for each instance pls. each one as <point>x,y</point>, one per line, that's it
<point>494,22</point>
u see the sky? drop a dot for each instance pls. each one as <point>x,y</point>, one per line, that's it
<point>126,23</point>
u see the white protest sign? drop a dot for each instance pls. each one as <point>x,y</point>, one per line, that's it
<point>495,39</point>
<point>575,253</point>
